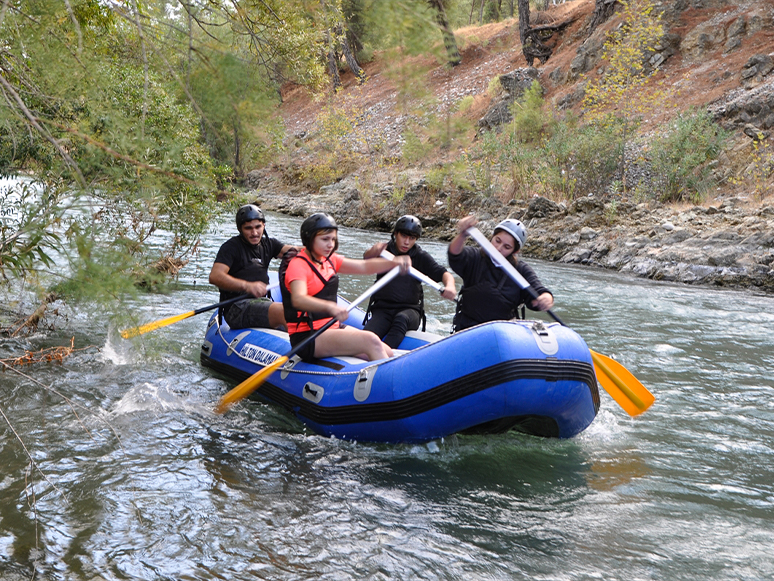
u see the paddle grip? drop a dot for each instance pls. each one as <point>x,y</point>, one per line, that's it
<point>421,277</point>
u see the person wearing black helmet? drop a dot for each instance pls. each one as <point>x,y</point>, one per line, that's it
<point>309,285</point>
<point>488,293</point>
<point>399,306</point>
<point>241,266</point>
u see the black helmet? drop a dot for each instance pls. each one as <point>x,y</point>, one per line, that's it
<point>315,222</point>
<point>247,213</point>
<point>408,224</point>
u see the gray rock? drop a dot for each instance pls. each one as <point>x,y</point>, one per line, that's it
<point>678,235</point>
<point>541,207</point>
<point>514,85</point>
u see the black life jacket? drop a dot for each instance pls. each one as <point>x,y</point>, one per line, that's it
<point>403,292</point>
<point>329,292</point>
<point>485,300</point>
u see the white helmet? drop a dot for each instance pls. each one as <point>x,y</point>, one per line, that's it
<point>515,229</point>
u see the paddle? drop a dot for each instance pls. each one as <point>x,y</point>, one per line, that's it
<point>624,388</point>
<point>253,382</point>
<point>147,327</point>
<point>134,331</point>
<point>420,276</point>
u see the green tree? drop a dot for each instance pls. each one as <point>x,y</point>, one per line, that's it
<point>237,106</point>
<point>680,157</point>
<point>111,107</point>
<point>619,97</point>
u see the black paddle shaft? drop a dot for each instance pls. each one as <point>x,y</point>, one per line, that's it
<point>221,304</point>
<point>311,337</point>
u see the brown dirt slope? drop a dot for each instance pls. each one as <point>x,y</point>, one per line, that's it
<point>696,80</point>
<point>726,241</point>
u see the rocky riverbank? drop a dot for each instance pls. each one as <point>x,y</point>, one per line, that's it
<point>728,243</point>
<point>715,55</point>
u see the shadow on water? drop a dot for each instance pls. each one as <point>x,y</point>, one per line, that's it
<point>493,492</point>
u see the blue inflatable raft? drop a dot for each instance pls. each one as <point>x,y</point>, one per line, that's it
<point>530,376</point>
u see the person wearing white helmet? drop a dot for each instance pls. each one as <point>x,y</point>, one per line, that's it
<point>488,293</point>
<point>399,306</point>
<point>242,267</point>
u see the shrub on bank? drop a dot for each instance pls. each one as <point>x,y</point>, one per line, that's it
<point>681,158</point>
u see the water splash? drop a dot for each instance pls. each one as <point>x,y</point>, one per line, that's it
<point>117,351</point>
<point>154,398</point>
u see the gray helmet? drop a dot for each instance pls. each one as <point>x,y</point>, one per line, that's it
<point>315,222</point>
<point>408,224</point>
<point>515,229</point>
<point>247,213</point>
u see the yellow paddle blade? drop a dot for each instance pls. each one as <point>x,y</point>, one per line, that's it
<point>134,331</point>
<point>622,386</point>
<point>249,385</point>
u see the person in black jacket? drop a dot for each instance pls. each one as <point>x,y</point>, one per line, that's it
<point>488,293</point>
<point>399,306</point>
<point>242,266</point>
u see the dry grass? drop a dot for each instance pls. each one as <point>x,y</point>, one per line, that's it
<point>494,49</point>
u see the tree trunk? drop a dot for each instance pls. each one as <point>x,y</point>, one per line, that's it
<point>481,13</point>
<point>603,9</point>
<point>523,20</point>
<point>349,55</point>
<point>452,51</point>
<point>333,63</point>
<point>238,172</point>
<point>531,45</point>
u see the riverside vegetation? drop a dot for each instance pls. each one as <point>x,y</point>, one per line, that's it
<point>661,171</point>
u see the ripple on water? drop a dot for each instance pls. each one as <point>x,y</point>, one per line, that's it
<point>174,491</point>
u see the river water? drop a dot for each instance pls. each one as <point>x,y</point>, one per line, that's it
<point>135,477</point>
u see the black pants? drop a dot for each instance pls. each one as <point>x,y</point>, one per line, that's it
<point>392,324</point>
<point>248,313</point>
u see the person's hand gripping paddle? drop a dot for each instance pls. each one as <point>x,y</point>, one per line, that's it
<point>255,381</point>
<point>622,386</point>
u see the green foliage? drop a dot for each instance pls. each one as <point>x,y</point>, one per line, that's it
<point>495,88</point>
<point>23,244</point>
<point>338,139</point>
<point>485,161</point>
<point>680,158</point>
<point>625,74</point>
<point>117,108</point>
<point>413,149</point>
<point>237,106</point>
<point>567,161</point>
<point>405,29</point>
<point>622,87</point>
<point>611,211</point>
<point>447,176</point>
<point>590,154</point>
<point>465,103</point>
<point>529,123</point>
<point>760,167</point>
<point>430,132</point>
<point>408,25</point>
